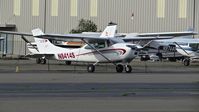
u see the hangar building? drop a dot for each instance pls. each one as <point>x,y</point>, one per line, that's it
<point>60,16</point>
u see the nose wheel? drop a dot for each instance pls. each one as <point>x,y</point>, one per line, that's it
<point>68,62</point>
<point>120,68</point>
<point>128,69</point>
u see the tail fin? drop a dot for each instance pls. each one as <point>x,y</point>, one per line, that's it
<point>109,31</point>
<point>37,32</point>
<point>44,45</point>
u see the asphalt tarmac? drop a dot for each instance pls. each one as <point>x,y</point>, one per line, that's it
<point>29,66</point>
<point>151,87</point>
<point>98,89</point>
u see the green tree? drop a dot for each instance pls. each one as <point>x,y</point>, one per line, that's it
<point>85,26</point>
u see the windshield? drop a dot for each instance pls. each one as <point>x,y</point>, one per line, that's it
<point>194,46</point>
<point>116,40</point>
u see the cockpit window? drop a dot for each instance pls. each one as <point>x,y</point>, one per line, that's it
<point>97,45</point>
<point>194,46</point>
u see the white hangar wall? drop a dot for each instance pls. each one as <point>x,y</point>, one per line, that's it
<point>60,16</point>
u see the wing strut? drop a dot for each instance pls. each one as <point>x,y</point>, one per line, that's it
<point>147,43</point>
<point>98,52</point>
<point>181,48</point>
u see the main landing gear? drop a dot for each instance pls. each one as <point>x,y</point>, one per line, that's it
<point>120,68</point>
<point>68,62</point>
<point>41,60</point>
<point>91,68</point>
<point>186,62</point>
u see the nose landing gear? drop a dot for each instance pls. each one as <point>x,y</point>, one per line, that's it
<point>128,69</point>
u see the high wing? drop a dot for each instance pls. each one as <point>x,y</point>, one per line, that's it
<point>109,32</point>
<point>54,36</point>
<point>16,33</point>
<point>173,34</point>
<point>144,38</point>
<point>72,36</point>
<point>153,36</point>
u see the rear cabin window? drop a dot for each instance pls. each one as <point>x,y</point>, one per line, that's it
<point>97,45</point>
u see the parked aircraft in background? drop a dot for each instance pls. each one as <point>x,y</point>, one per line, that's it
<point>188,47</point>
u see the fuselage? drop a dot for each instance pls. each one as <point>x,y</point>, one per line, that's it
<point>116,53</point>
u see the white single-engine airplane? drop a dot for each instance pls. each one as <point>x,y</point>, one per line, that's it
<point>106,48</point>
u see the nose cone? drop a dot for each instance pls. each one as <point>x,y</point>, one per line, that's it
<point>132,52</point>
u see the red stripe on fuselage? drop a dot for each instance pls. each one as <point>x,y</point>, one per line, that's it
<point>123,51</point>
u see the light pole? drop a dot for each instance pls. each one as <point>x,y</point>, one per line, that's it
<point>45,16</point>
<point>194,13</point>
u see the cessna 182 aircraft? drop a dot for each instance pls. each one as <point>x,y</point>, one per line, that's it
<point>106,48</point>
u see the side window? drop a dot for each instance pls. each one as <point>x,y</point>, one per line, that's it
<point>101,45</point>
<point>89,47</point>
<point>97,45</point>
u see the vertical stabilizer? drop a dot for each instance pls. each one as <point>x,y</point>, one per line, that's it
<point>109,31</point>
<point>37,32</point>
<point>44,45</point>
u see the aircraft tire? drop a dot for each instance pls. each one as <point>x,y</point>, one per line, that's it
<point>128,69</point>
<point>43,61</point>
<point>68,62</point>
<point>38,60</point>
<point>119,68</point>
<point>90,68</point>
<point>186,62</point>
